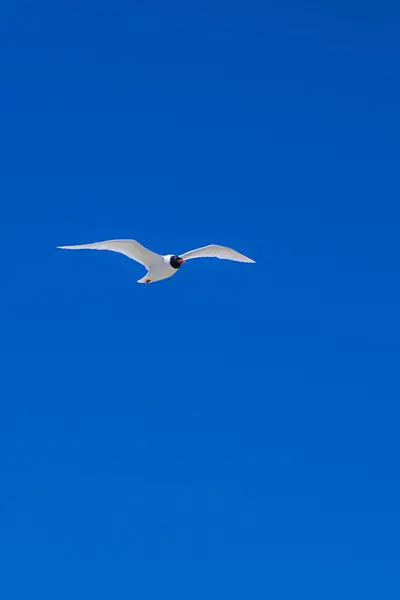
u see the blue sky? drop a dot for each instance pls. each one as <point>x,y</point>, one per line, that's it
<point>233,431</point>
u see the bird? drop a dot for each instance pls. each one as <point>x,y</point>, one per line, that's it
<point>159,266</point>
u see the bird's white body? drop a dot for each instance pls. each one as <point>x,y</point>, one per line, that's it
<point>160,267</point>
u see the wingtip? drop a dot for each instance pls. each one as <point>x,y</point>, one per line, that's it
<point>244,258</point>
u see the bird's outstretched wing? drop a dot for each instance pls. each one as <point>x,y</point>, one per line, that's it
<point>214,251</point>
<point>130,248</point>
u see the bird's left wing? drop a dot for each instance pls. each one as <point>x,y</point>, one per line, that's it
<point>130,248</point>
<point>214,251</point>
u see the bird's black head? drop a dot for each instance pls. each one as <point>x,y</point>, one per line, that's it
<point>176,262</point>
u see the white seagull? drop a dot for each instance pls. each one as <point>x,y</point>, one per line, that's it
<point>160,267</point>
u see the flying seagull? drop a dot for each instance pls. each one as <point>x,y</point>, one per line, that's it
<point>160,267</point>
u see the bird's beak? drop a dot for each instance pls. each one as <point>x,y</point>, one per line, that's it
<point>181,261</point>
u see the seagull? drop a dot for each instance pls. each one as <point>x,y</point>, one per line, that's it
<point>158,266</point>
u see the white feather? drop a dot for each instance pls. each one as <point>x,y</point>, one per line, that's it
<point>214,251</point>
<point>130,248</point>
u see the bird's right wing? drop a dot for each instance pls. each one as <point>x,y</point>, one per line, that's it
<point>214,251</point>
<point>130,248</point>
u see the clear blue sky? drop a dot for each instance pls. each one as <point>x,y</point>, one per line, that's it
<point>232,432</point>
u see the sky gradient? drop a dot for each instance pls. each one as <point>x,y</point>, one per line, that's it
<point>232,432</point>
